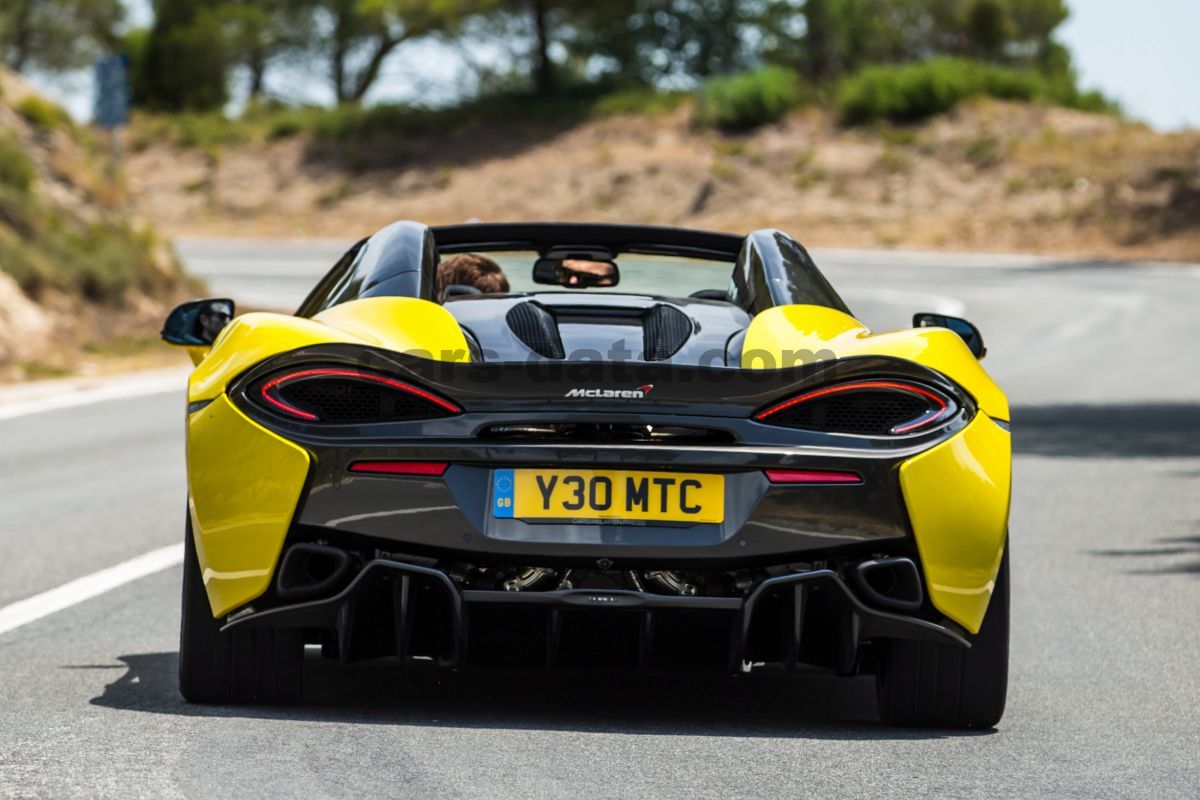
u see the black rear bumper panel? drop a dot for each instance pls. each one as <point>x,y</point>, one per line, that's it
<point>389,601</point>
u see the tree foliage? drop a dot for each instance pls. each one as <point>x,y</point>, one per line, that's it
<point>55,35</point>
<point>184,60</point>
<point>356,37</point>
<point>187,60</point>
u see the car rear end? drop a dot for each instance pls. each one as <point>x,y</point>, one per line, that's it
<point>580,514</point>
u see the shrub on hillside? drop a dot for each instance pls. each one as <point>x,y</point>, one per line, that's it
<point>17,172</point>
<point>912,92</point>
<point>748,99</point>
<point>41,113</point>
<point>639,100</point>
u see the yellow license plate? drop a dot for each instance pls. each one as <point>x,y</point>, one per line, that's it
<point>608,494</point>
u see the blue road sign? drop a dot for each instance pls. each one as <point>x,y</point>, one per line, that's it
<point>112,92</point>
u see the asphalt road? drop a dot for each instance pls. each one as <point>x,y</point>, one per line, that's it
<point>1102,363</point>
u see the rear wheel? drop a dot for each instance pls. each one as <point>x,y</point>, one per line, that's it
<point>257,665</point>
<point>937,685</point>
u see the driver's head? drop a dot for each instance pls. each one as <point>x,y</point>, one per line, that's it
<point>581,272</point>
<point>211,321</point>
<point>471,269</point>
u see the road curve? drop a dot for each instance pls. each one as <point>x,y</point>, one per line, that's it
<point>1103,370</point>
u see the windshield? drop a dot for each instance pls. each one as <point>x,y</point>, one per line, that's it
<point>669,276</point>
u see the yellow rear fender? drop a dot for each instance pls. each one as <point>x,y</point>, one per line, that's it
<point>402,324</point>
<point>801,334</point>
<point>244,483</point>
<point>957,495</point>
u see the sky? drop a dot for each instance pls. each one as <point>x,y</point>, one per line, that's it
<point>1147,59</point>
<point>1145,54</point>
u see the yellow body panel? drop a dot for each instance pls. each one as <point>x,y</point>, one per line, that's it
<point>957,496</point>
<point>785,336</point>
<point>428,331</point>
<point>244,483</point>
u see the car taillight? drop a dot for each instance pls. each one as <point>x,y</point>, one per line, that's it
<point>812,476</point>
<point>434,469</point>
<point>348,396</point>
<point>864,408</point>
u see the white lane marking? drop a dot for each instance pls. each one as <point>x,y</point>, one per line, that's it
<point>1108,311</point>
<point>917,301</point>
<point>23,400</point>
<point>333,523</point>
<point>34,608</point>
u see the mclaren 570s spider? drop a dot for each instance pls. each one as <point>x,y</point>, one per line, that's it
<point>662,449</point>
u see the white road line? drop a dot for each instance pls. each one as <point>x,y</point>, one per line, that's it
<point>916,300</point>
<point>34,608</point>
<point>25,399</point>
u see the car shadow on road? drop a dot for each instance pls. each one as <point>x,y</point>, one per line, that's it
<point>805,706</point>
<point>1134,430</point>
<point>1170,555</point>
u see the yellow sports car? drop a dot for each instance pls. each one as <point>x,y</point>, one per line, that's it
<point>658,449</point>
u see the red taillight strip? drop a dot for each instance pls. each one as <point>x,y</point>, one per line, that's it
<point>941,403</point>
<point>287,408</point>
<point>794,476</point>
<point>290,377</point>
<point>430,468</point>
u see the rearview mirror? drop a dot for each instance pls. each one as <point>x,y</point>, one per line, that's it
<point>196,324</point>
<point>969,333</point>
<point>576,273</point>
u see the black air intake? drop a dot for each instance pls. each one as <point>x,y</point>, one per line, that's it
<point>863,408</point>
<point>864,413</point>
<point>337,395</point>
<point>665,329</point>
<point>536,328</point>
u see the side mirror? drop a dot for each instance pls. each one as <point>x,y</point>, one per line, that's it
<point>969,333</point>
<point>196,324</point>
<point>576,270</point>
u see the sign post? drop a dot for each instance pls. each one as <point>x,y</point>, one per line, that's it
<point>111,110</point>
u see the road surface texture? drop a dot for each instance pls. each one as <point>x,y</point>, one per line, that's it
<point>1102,363</point>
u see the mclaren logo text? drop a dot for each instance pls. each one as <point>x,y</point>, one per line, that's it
<point>612,394</point>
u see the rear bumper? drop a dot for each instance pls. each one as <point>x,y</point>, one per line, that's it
<point>450,516</point>
<point>417,612</point>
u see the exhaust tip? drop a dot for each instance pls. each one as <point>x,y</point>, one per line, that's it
<point>890,582</point>
<point>311,570</point>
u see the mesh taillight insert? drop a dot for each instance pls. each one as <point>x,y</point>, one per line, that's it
<point>862,408</point>
<point>348,396</point>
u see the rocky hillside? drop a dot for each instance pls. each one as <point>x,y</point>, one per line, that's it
<point>81,277</point>
<point>988,176</point>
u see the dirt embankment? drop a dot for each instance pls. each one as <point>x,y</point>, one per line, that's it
<point>990,176</point>
<point>84,281</point>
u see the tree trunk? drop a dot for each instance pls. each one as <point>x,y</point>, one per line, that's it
<point>819,59</point>
<point>257,63</point>
<point>22,33</point>
<point>370,72</point>
<point>544,75</point>
<point>337,66</point>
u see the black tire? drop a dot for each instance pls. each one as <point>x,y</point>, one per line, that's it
<point>258,665</point>
<point>923,684</point>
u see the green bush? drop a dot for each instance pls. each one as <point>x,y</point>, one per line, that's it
<point>22,262</point>
<point>639,100</point>
<point>41,113</point>
<point>17,172</point>
<point>284,128</point>
<point>748,99</point>
<point>912,92</point>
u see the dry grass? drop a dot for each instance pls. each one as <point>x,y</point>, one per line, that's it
<point>76,264</point>
<point>990,175</point>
